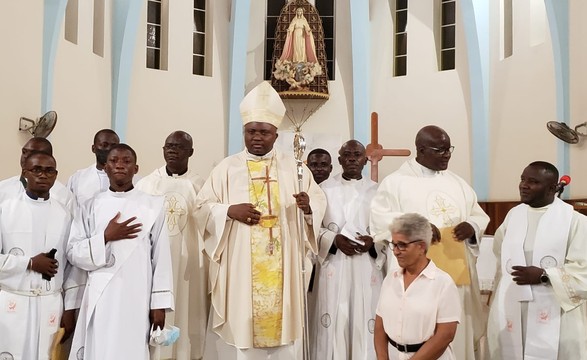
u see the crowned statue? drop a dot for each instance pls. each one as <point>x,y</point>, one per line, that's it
<point>299,57</point>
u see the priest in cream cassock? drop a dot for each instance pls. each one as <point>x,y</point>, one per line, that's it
<point>349,277</point>
<point>538,308</point>
<point>121,240</point>
<point>249,214</point>
<point>180,185</point>
<point>424,185</point>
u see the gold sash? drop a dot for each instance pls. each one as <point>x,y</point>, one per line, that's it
<point>266,255</point>
<point>450,255</point>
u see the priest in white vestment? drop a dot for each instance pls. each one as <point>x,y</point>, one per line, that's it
<point>34,288</point>
<point>180,185</point>
<point>538,308</point>
<point>349,274</point>
<point>86,183</point>
<point>249,214</point>
<point>424,185</point>
<point>15,186</point>
<point>121,240</point>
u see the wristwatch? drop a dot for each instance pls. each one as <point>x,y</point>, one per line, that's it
<point>544,279</point>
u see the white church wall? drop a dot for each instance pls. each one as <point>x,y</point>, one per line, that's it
<point>20,74</point>
<point>522,100</point>
<point>81,94</point>
<point>425,95</point>
<point>162,101</point>
<point>578,94</point>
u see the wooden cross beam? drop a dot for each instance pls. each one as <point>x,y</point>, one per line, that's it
<point>375,151</point>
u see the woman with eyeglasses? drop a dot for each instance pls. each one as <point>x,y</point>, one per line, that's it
<point>419,306</point>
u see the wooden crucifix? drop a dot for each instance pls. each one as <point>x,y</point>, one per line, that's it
<point>375,151</point>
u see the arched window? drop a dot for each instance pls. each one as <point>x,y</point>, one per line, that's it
<point>199,38</point>
<point>448,25</point>
<point>156,51</point>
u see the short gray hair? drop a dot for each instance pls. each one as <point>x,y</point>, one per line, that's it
<point>414,226</point>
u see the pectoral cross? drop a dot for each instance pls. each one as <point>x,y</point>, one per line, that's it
<point>267,220</point>
<point>375,151</point>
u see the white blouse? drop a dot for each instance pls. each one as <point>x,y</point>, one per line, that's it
<point>410,316</point>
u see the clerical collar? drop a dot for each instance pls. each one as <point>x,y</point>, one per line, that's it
<point>349,179</point>
<point>35,197</point>
<point>23,181</point>
<point>254,157</point>
<point>426,172</point>
<point>127,190</point>
<point>169,173</point>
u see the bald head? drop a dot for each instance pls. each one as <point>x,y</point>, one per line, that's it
<point>177,150</point>
<point>433,148</point>
<point>35,144</point>
<point>352,158</point>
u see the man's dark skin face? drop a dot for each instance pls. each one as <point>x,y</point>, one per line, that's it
<point>429,142</point>
<point>40,172</point>
<point>321,166</point>
<point>259,137</point>
<point>33,145</point>
<point>537,187</point>
<point>352,159</point>
<point>177,151</point>
<point>103,144</point>
<point>120,167</point>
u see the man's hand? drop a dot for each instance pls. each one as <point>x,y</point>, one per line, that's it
<point>527,275</point>
<point>463,231</point>
<point>435,234</point>
<point>368,240</point>
<point>44,265</point>
<point>121,231</point>
<point>347,247</point>
<point>68,323</point>
<point>303,202</point>
<point>245,213</point>
<point>157,318</point>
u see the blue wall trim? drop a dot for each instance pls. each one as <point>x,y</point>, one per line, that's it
<point>558,19</point>
<point>125,20</point>
<point>476,22</point>
<point>53,15</point>
<point>237,66</point>
<point>361,47</point>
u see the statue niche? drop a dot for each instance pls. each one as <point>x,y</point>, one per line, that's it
<point>299,57</point>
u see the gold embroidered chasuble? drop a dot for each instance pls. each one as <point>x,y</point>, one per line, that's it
<point>266,255</point>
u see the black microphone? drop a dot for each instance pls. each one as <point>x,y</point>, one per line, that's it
<point>564,181</point>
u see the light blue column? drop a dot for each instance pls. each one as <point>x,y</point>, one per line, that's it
<point>237,66</point>
<point>476,29</point>
<point>558,20</point>
<point>53,15</point>
<point>125,20</point>
<point>361,47</point>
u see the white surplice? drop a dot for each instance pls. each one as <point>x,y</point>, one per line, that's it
<point>227,243</point>
<point>553,238</point>
<point>446,200</point>
<point>190,271</point>
<point>86,183</point>
<point>346,287</point>
<point>31,307</point>
<point>14,186</point>
<point>126,278</point>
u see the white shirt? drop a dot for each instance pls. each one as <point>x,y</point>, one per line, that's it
<point>410,316</point>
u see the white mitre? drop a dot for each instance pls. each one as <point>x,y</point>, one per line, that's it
<point>262,104</point>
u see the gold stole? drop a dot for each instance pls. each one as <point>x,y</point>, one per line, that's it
<point>266,255</point>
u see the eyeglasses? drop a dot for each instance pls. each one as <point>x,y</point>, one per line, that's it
<point>402,246</point>
<point>38,171</point>
<point>174,146</point>
<point>442,151</point>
